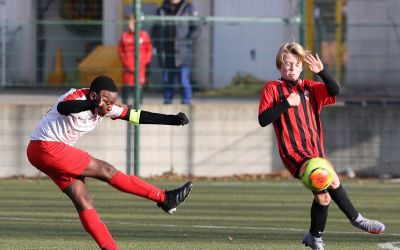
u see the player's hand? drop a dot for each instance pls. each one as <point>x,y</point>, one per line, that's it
<point>293,99</point>
<point>100,102</point>
<point>314,63</point>
<point>182,118</point>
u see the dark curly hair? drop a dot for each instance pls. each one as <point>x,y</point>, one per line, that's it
<point>103,83</point>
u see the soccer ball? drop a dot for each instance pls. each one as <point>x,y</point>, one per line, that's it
<point>316,174</point>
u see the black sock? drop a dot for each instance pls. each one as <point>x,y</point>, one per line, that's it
<point>319,215</point>
<point>340,197</point>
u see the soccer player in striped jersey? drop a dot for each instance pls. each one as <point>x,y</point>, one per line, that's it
<point>293,106</point>
<point>51,151</point>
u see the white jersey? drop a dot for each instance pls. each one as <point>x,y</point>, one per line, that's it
<point>69,128</point>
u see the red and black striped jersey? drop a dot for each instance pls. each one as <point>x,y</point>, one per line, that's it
<point>298,129</point>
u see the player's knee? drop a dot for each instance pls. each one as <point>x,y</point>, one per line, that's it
<point>323,198</point>
<point>84,201</point>
<point>335,182</point>
<point>108,170</point>
<point>79,197</point>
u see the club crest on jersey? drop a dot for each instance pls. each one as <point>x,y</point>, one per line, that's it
<point>82,119</point>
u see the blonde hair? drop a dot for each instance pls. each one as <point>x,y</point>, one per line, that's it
<point>293,48</point>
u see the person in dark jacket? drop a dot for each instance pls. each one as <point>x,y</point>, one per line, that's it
<point>174,44</point>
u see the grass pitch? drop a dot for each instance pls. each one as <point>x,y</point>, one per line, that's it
<point>271,214</point>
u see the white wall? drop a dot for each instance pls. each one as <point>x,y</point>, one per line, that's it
<point>373,40</point>
<point>112,16</point>
<point>20,40</point>
<point>233,43</point>
<point>218,142</point>
<point>222,139</point>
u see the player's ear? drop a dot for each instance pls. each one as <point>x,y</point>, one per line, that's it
<point>93,96</point>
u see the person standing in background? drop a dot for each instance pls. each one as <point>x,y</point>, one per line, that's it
<point>126,52</point>
<point>174,44</point>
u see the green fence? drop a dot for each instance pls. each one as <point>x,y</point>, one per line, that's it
<point>236,44</point>
<point>234,54</point>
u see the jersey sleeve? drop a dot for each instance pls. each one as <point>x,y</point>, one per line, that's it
<point>75,94</point>
<point>266,98</point>
<point>117,112</point>
<point>320,92</point>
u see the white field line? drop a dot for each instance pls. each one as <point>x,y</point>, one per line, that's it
<point>188,226</point>
<point>390,245</point>
<point>387,245</point>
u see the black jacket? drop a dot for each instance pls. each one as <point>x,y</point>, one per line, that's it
<point>175,39</point>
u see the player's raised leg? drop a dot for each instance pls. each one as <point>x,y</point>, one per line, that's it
<point>339,195</point>
<point>167,200</point>
<point>370,226</point>
<point>174,197</point>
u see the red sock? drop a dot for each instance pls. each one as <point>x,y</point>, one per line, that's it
<point>95,227</point>
<point>134,185</point>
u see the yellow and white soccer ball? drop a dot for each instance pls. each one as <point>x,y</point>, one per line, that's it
<point>316,174</point>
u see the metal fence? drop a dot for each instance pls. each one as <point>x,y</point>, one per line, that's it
<point>236,47</point>
<point>237,39</point>
<point>225,47</point>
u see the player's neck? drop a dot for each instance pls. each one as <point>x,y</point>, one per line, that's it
<point>293,83</point>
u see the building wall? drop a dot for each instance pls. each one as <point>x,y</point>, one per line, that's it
<point>222,139</point>
<point>17,38</point>
<point>250,48</point>
<point>113,18</point>
<point>373,41</point>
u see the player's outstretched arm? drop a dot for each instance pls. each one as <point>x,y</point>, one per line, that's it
<point>315,64</point>
<point>145,117</point>
<point>75,106</point>
<point>331,84</point>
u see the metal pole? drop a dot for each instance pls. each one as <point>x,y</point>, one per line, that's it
<point>302,27</point>
<point>302,8</point>
<point>339,39</point>
<point>129,146</point>
<point>138,17</point>
<point>308,32</point>
<point>3,52</point>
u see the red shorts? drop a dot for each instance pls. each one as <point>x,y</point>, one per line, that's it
<point>61,162</point>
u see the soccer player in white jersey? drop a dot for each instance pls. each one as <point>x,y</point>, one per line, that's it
<point>51,151</point>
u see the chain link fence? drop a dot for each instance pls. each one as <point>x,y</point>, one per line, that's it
<point>63,44</point>
<point>55,45</point>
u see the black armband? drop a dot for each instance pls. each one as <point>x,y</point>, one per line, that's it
<point>137,117</point>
